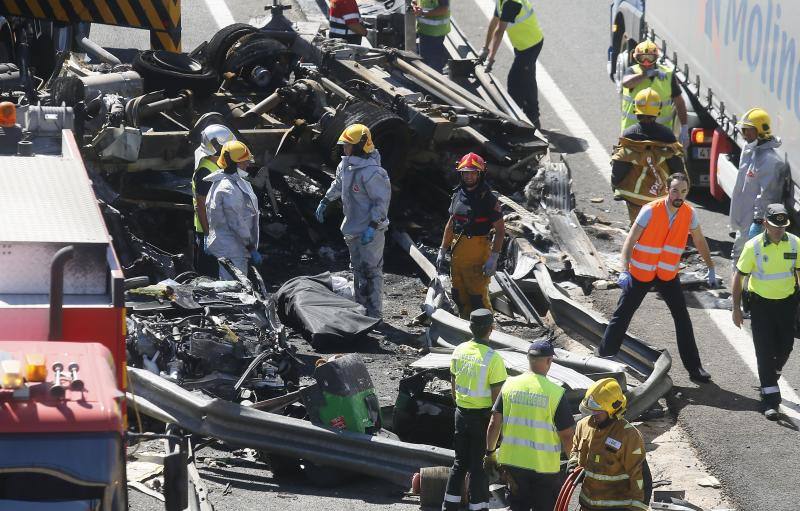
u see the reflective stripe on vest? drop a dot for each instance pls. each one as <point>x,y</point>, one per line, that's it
<point>524,32</point>
<point>339,26</point>
<point>603,477</point>
<point>470,385</point>
<point>658,251</point>
<point>205,163</point>
<point>530,440</point>
<point>664,89</point>
<point>434,26</point>
<point>763,275</point>
<point>614,503</point>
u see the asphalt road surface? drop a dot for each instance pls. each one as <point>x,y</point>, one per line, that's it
<point>754,459</point>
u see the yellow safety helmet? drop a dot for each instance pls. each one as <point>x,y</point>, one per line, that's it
<point>646,53</point>
<point>605,395</point>
<point>237,151</point>
<point>357,134</point>
<point>757,118</point>
<point>647,102</point>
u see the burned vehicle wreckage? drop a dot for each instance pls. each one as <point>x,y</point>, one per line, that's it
<point>213,356</point>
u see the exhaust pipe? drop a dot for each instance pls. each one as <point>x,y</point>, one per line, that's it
<point>57,291</point>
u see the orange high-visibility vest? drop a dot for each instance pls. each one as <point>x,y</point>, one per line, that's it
<point>659,249</point>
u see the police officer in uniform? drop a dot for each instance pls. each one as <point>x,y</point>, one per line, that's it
<point>477,374</point>
<point>770,261</point>
<point>537,425</point>
<point>474,212</point>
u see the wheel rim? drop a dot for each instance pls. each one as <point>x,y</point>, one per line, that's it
<point>177,62</point>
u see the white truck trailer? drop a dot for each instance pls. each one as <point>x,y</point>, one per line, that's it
<point>730,56</point>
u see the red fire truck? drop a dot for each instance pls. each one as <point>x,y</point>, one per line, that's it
<point>62,325</point>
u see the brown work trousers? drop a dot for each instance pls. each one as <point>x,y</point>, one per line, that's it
<point>470,285</point>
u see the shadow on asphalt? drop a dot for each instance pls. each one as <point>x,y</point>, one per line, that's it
<point>566,144</point>
<point>702,199</point>
<point>711,394</point>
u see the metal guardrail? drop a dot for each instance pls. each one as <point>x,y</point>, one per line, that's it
<point>652,364</point>
<point>238,425</point>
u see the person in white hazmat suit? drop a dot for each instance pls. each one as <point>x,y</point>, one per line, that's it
<point>212,138</point>
<point>364,188</point>
<point>232,210</point>
<point>761,178</point>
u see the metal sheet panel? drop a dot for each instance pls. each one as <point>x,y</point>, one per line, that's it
<point>48,199</point>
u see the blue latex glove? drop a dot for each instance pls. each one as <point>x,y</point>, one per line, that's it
<point>367,236</point>
<point>683,138</point>
<point>712,278</point>
<point>320,212</point>
<point>652,72</point>
<point>491,264</point>
<point>205,245</point>
<point>625,281</point>
<point>256,258</point>
<point>755,230</point>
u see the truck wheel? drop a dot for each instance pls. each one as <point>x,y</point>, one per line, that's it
<point>218,46</point>
<point>171,72</point>
<point>389,134</point>
<point>260,50</point>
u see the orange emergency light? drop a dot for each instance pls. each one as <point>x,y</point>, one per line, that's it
<point>11,373</point>
<point>8,114</point>
<point>35,368</point>
<point>701,136</point>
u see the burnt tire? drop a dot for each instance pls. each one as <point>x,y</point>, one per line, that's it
<point>172,72</point>
<point>390,135</point>
<point>217,48</point>
<point>260,50</point>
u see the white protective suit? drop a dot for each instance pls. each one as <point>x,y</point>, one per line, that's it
<point>365,190</point>
<point>760,182</point>
<point>233,215</point>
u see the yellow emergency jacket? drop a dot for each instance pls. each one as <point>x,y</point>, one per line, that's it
<point>475,368</point>
<point>647,179</point>
<point>209,163</point>
<point>530,439</point>
<point>662,85</point>
<point>612,459</point>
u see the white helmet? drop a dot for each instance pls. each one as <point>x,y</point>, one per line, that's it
<point>221,134</point>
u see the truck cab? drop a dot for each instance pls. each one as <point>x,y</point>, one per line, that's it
<point>61,303</point>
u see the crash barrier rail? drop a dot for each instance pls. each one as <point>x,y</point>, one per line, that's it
<point>238,425</point>
<point>646,362</point>
<point>651,363</point>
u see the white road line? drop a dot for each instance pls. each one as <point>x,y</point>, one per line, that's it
<point>739,339</point>
<point>221,14</point>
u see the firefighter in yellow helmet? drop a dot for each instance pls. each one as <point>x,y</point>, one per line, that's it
<point>232,210</point>
<point>761,178</point>
<point>474,213</point>
<point>364,188</point>
<point>648,73</point>
<point>610,450</point>
<point>646,155</point>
